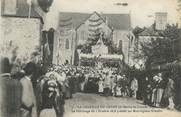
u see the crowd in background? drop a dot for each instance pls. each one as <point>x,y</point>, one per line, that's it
<point>41,93</point>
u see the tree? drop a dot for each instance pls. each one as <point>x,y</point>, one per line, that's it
<point>162,50</point>
<point>137,30</point>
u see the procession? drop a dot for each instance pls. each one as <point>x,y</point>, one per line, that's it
<point>89,58</point>
<point>60,83</point>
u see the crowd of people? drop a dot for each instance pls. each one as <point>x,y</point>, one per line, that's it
<point>159,92</point>
<point>42,93</point>
<point>106,82</point>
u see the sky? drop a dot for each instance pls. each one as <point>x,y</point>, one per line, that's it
<point>140,10</point>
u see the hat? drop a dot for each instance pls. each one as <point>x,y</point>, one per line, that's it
<point>51,88</point>
<point>52,83</point>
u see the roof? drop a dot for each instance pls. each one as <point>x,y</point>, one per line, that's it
<point>118,21</point>
<point>115,21</point>
<point>22,10</point>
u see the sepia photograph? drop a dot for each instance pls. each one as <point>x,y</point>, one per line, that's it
<point>90,58</point>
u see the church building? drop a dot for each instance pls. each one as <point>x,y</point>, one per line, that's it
<point>81,29</point>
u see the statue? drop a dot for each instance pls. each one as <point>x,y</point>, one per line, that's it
<point>101,35</point>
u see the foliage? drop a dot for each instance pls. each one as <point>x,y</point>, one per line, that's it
<point>161,50</point>
<point>137,30</point>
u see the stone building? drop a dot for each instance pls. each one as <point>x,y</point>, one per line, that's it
<point>81,28</point>
<point>161,20</point>
<point>145,37</point>
<point>20,32</point>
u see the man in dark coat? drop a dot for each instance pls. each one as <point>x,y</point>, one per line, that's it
<point>10,92</point>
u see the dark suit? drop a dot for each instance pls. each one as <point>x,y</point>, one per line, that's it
<point>10,96</point>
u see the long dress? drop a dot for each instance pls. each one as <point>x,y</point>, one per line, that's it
<point>68,92</point>
<point>48,113</point>
<point>118,91</point>
<point>134,87</point>
<point>82,83</point>
<point>107,85</point>
<point>159,94</point>
<point>82,86</point>
<point>101,87</point>
<point>169,93</point>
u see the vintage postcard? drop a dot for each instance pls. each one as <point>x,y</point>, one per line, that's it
<point>90,58</point>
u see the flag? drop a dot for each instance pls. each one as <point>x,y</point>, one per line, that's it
<point>29,2</point>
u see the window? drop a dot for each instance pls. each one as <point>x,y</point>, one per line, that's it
<point>67,44</point>
<point>120,44</point>
<point>82,35</point>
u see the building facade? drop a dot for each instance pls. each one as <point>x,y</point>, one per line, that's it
<point>87,30</point>
<point>82,28</point>
<point>21,32</point>
<point>160,20</point>
<point>145,37</point>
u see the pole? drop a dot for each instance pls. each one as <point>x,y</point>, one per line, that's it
<point>29,2</point>
<point>29,14</point>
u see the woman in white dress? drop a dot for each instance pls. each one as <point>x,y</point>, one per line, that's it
<point>101,86</point>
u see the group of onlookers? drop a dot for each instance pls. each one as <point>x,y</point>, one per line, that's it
<point>107,81</point>
<point>28,93</point>
<point>18,97</point>
<point>159,91</point>
<point>37,93</point>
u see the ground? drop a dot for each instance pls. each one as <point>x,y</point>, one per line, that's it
<point>95,105</point>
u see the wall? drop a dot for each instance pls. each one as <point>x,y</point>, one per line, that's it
<point>82,34</point>
<point>122,35</point>
<point>161,20</point>
<point>23,33</point>
<point>143,40</point>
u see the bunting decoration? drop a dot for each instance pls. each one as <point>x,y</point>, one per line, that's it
<point>66,20</point>
<point>94,35</point>
<point>45,4</point>
<point>66,25</point>
<point>94,20</point>
<point>95,25</point>
<point>94,30</point>
<point>65,32</point>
